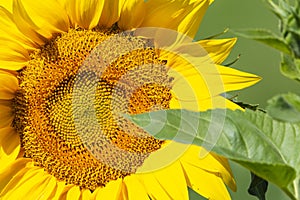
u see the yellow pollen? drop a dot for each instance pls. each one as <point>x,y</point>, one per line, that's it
<point>70,119</point>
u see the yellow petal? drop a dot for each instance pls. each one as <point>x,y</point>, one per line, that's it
<point>153,187</point>
<point>9,30</point>
<point>194,14</point>
<point>194,83</point>
<point>111,12</point>
<point>12,170</point>
<point>111,191</point>
<point>205,183</point>
<point>235,80</point>
<point>198,78</point>
<point>49,187</point>
<point>47,15</point>
<point>211,163</point>
<point>7,4</point>
<point>162,13</point>
<point>204,104</point>
<point>218,49</point>
<point>60,186</point>
<point>30,182</point>
<point>13,56</point>
<point>6,114</point>
<point>39,20</point>
<point>182,16</point>
<point>25,25</point>
<point>70,192</point>
<point>8,85</point>
<point>134,190</point>
<point>132,14</point>
<point>86,14</point>
<point>37,187</point>
<point>173,181</point>
<point>218,102</point>
<point>9,146</point>
<point>165,156</point>
<point>85,194</point>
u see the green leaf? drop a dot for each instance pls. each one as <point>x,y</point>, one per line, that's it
<point>281,12</point>
<point>293,31</point>
<point>266,37</point>
<point>285,107</point>
<point>247,105</point>
<point>244,105</point>
<point>290,67</point>
<point>258,187</point>
<point>267,147</point>
<point>293,188</point>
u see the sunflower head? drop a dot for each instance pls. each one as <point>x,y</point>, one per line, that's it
<point>71,70</point>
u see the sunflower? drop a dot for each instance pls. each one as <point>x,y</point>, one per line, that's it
<point>50,144</point>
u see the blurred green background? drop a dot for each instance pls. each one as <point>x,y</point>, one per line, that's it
<point>255,58</point>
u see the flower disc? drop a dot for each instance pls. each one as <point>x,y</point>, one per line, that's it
<point>66,114</point>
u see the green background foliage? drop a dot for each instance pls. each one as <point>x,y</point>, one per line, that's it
<point>255,58</point>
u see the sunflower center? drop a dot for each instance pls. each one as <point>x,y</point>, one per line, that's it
<point>69,110</point>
